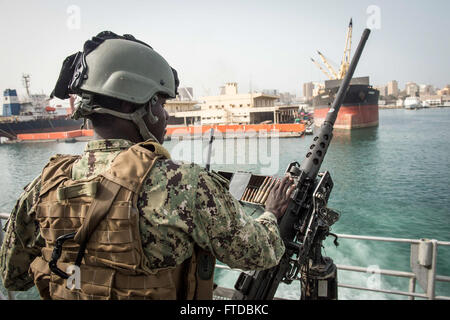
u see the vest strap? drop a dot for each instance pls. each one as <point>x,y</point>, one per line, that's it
<point>82,189</point>
<point>98,210</point>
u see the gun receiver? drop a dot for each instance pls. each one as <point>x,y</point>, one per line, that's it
<point>307,220</point>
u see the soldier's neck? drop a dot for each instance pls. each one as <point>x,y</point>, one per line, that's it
<point>115,133</point>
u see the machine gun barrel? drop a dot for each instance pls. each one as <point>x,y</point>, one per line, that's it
<point>318,149</point>
<point>299,225</point>
<point>332,115</point>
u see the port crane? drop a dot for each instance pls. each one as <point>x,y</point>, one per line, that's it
<point>330,72</point>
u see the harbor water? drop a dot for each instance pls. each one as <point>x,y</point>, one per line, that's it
<point>389,181</point>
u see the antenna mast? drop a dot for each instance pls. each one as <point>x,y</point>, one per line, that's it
<point>26,82</point>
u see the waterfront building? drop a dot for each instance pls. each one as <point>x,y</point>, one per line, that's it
<point>426,90</point>
<point>286,98</point>
<point>183,110</point>
<point>272,92</point>
<point>445,91</point>
<point>383,90</point>
<point>392,88</point>
<point>231,107</point>
<point>308,89</point>
<point>432,100</point>
<point>412,89</point>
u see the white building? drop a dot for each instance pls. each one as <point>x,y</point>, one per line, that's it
<point>308,89</point>
<point>392,88</point>
<point>412,89</point>
<point>231,107</point>
<point>383,90</point>
<point>426,90</point>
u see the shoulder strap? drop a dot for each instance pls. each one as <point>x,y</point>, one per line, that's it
<point>104,198</point>
<point>57,170</point>
<point>130,168</point>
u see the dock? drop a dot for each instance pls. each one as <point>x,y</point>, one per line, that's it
<point>288,130</point>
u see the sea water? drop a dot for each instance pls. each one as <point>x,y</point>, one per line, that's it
<point>389,181</point>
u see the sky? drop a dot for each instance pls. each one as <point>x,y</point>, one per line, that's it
<point>265,44</point>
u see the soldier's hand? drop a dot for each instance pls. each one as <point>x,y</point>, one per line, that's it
<point>279,196</point>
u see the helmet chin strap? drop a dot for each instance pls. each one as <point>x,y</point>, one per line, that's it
<point>85,108</point>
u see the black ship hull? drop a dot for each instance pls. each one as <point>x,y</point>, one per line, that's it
<point>11,129</point>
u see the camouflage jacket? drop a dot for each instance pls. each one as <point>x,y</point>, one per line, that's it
<point>180,204</point>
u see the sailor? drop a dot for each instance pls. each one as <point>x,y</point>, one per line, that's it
<point>123,220</point>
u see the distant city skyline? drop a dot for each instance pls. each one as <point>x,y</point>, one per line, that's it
<point>261,45</point>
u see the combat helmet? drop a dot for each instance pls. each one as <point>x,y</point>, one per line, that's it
<point>119,67</point>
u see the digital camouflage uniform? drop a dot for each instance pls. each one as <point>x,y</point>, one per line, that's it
<point>178,205</point>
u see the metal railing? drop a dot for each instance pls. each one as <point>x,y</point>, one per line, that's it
<point>432,276</point>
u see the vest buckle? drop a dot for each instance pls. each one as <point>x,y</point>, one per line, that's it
<point>56,254</point>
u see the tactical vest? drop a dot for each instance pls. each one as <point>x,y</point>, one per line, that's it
<point>94,224</point>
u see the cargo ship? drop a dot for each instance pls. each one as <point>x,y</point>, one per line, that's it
<point>359,109</point>
<point>360,106</point>
<point>35,113</point>
<point>13,126</point>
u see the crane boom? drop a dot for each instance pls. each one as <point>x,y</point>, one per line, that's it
<point>322,69</point>
<point>325,61</point>
<point>347,51</point>
<point>345,63</point>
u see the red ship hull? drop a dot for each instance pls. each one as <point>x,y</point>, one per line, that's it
<point>350,117</point>
<point>358,110</point>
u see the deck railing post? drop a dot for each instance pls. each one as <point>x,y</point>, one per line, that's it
<point>412,287</point>
<point>432,273</point>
